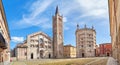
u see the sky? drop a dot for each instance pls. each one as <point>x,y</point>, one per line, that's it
<point>29,16</point>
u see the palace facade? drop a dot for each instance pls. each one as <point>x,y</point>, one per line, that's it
<point>114,16</point>
<point>4,37</point>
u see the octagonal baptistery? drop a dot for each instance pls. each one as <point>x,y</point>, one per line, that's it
<point>85,42</point>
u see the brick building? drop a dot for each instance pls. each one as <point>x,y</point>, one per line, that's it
<point>57,35</point>
<point>105,49</point>
<point>97,51</point>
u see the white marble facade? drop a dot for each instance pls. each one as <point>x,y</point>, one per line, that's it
<point>85,42</point>
<point>39,46</point>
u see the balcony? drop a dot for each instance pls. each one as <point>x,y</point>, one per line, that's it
<point>3,43</point>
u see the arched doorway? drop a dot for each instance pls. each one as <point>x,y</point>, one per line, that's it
<point>82,52</point>
<point>41,53</point>
<point>49,55</point>
<point>31,55</point>
<point>83,55</point>
<point>108,54</point>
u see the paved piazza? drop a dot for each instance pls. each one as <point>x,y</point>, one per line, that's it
<point>76,61</point>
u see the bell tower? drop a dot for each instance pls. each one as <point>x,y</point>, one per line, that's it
<point>57,35</point>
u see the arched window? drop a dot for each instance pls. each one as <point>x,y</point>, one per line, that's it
<point>31,55</point>
<point>49,55</point>
<point>41,53</point>
<point>41,40</point>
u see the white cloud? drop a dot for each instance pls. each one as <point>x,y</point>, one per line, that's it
<point>90,7</point>
<point>92,4</point>
<point>34,18</point>
<point>101,13</point>
<point>87,10</point>
<point>67,8</point>
<point>94,8</point>
<point>38,7</point>
<point>17,39</point>
<point>64,19</point>
<point>83,8</point>
<point>66,28</point>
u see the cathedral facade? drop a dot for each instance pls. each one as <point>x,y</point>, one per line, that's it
<point>37,46</point>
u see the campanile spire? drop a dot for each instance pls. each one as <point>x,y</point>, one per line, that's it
<point>57,10</point>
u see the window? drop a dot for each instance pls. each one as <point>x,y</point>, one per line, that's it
<point>1,31</point>
<point>31,45</point>
<point>81,38</point>
<point>45,46</point>
<point>89,34</point>
<point>89,45</point>
<point>41,40</point>
<point>45,41</point>
<point>82,42</point>
<point>49,42</point>
<point>81,45</point>
<point>25,53</point>
<point>49,46</point>
<point>89,42</point>
<point>41,45</point>
<point>31,40</point>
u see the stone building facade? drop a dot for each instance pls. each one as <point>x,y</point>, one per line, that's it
<point>97,51</point>
<point>114,16</point>
<point>37,46</point>
<point>105,49</point>
<point>57,35</point>
<point>4,37</point>
<point>69,51</point>
<point>21,51</point>
<point>85,42</point>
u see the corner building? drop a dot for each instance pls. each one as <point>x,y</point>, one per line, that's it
<point>85,42</point>
<point>57,35</point>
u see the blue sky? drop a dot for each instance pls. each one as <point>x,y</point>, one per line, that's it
<point>28,16</point>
